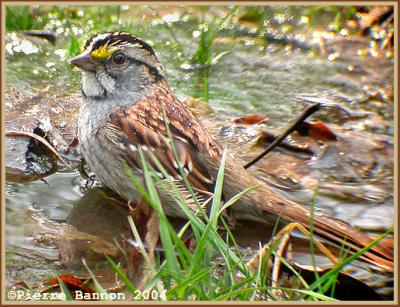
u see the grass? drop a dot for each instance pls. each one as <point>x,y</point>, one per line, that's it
<point>20,18</point>
<point>185,275</point>
<point>203,54</point>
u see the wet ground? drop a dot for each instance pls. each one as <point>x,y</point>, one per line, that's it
<point>51,219</point>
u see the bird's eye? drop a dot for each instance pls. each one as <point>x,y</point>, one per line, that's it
<point>119,58</point>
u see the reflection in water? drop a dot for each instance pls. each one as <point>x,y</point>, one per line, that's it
<point>59,229</point>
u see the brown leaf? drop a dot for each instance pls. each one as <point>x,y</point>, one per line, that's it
<point>72,282</point>
<point>318,131</point>
<point>73,143</point>
<point>250,119</point>
<point>21,284</point>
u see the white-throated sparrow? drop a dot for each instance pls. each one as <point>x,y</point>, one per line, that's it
<point>124,94</point>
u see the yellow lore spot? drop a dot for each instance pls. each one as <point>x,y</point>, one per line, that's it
<point>103,52</point>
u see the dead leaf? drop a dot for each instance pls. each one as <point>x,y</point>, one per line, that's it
<point>72,282</point>
<point>250,119</point>
<point>318,131</point>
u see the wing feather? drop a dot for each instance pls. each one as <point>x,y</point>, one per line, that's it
<point>136,126</point>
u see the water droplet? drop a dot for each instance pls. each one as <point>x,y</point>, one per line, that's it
<point>196,34</point>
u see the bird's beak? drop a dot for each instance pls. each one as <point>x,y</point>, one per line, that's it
<point>84,61</point>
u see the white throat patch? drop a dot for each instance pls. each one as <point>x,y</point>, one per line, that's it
<point>97,84</point>
<point>106,81</point>
<point>91,87</point>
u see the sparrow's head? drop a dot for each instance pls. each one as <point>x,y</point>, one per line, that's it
<point>112,63</point>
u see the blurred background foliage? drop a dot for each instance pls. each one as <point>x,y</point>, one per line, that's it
<point>194,36</point>
<point>375,21</point>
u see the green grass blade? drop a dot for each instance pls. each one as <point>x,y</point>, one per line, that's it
<point>348,260</point>
<point>235,198</point>
<point>65,290</point>
<point>122,275</point>
<point>172,261</point>
<point>97,285</point>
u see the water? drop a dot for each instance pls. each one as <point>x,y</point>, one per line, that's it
<point>356,173</point>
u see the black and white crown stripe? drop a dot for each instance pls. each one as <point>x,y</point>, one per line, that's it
<point>116,38</point>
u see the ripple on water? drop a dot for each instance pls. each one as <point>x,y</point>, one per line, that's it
<point>33,213</point>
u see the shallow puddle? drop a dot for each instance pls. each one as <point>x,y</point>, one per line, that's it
<point>354,174</point>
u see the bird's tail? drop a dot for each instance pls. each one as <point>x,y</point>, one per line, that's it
<point>263,204</point>
<point>340,234</point>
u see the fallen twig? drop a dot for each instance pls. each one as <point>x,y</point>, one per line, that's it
<point>307,112</point>
<point>38,138</point>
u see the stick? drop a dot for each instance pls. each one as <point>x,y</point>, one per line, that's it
<point>307,112</point>
<point>38,138</point>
